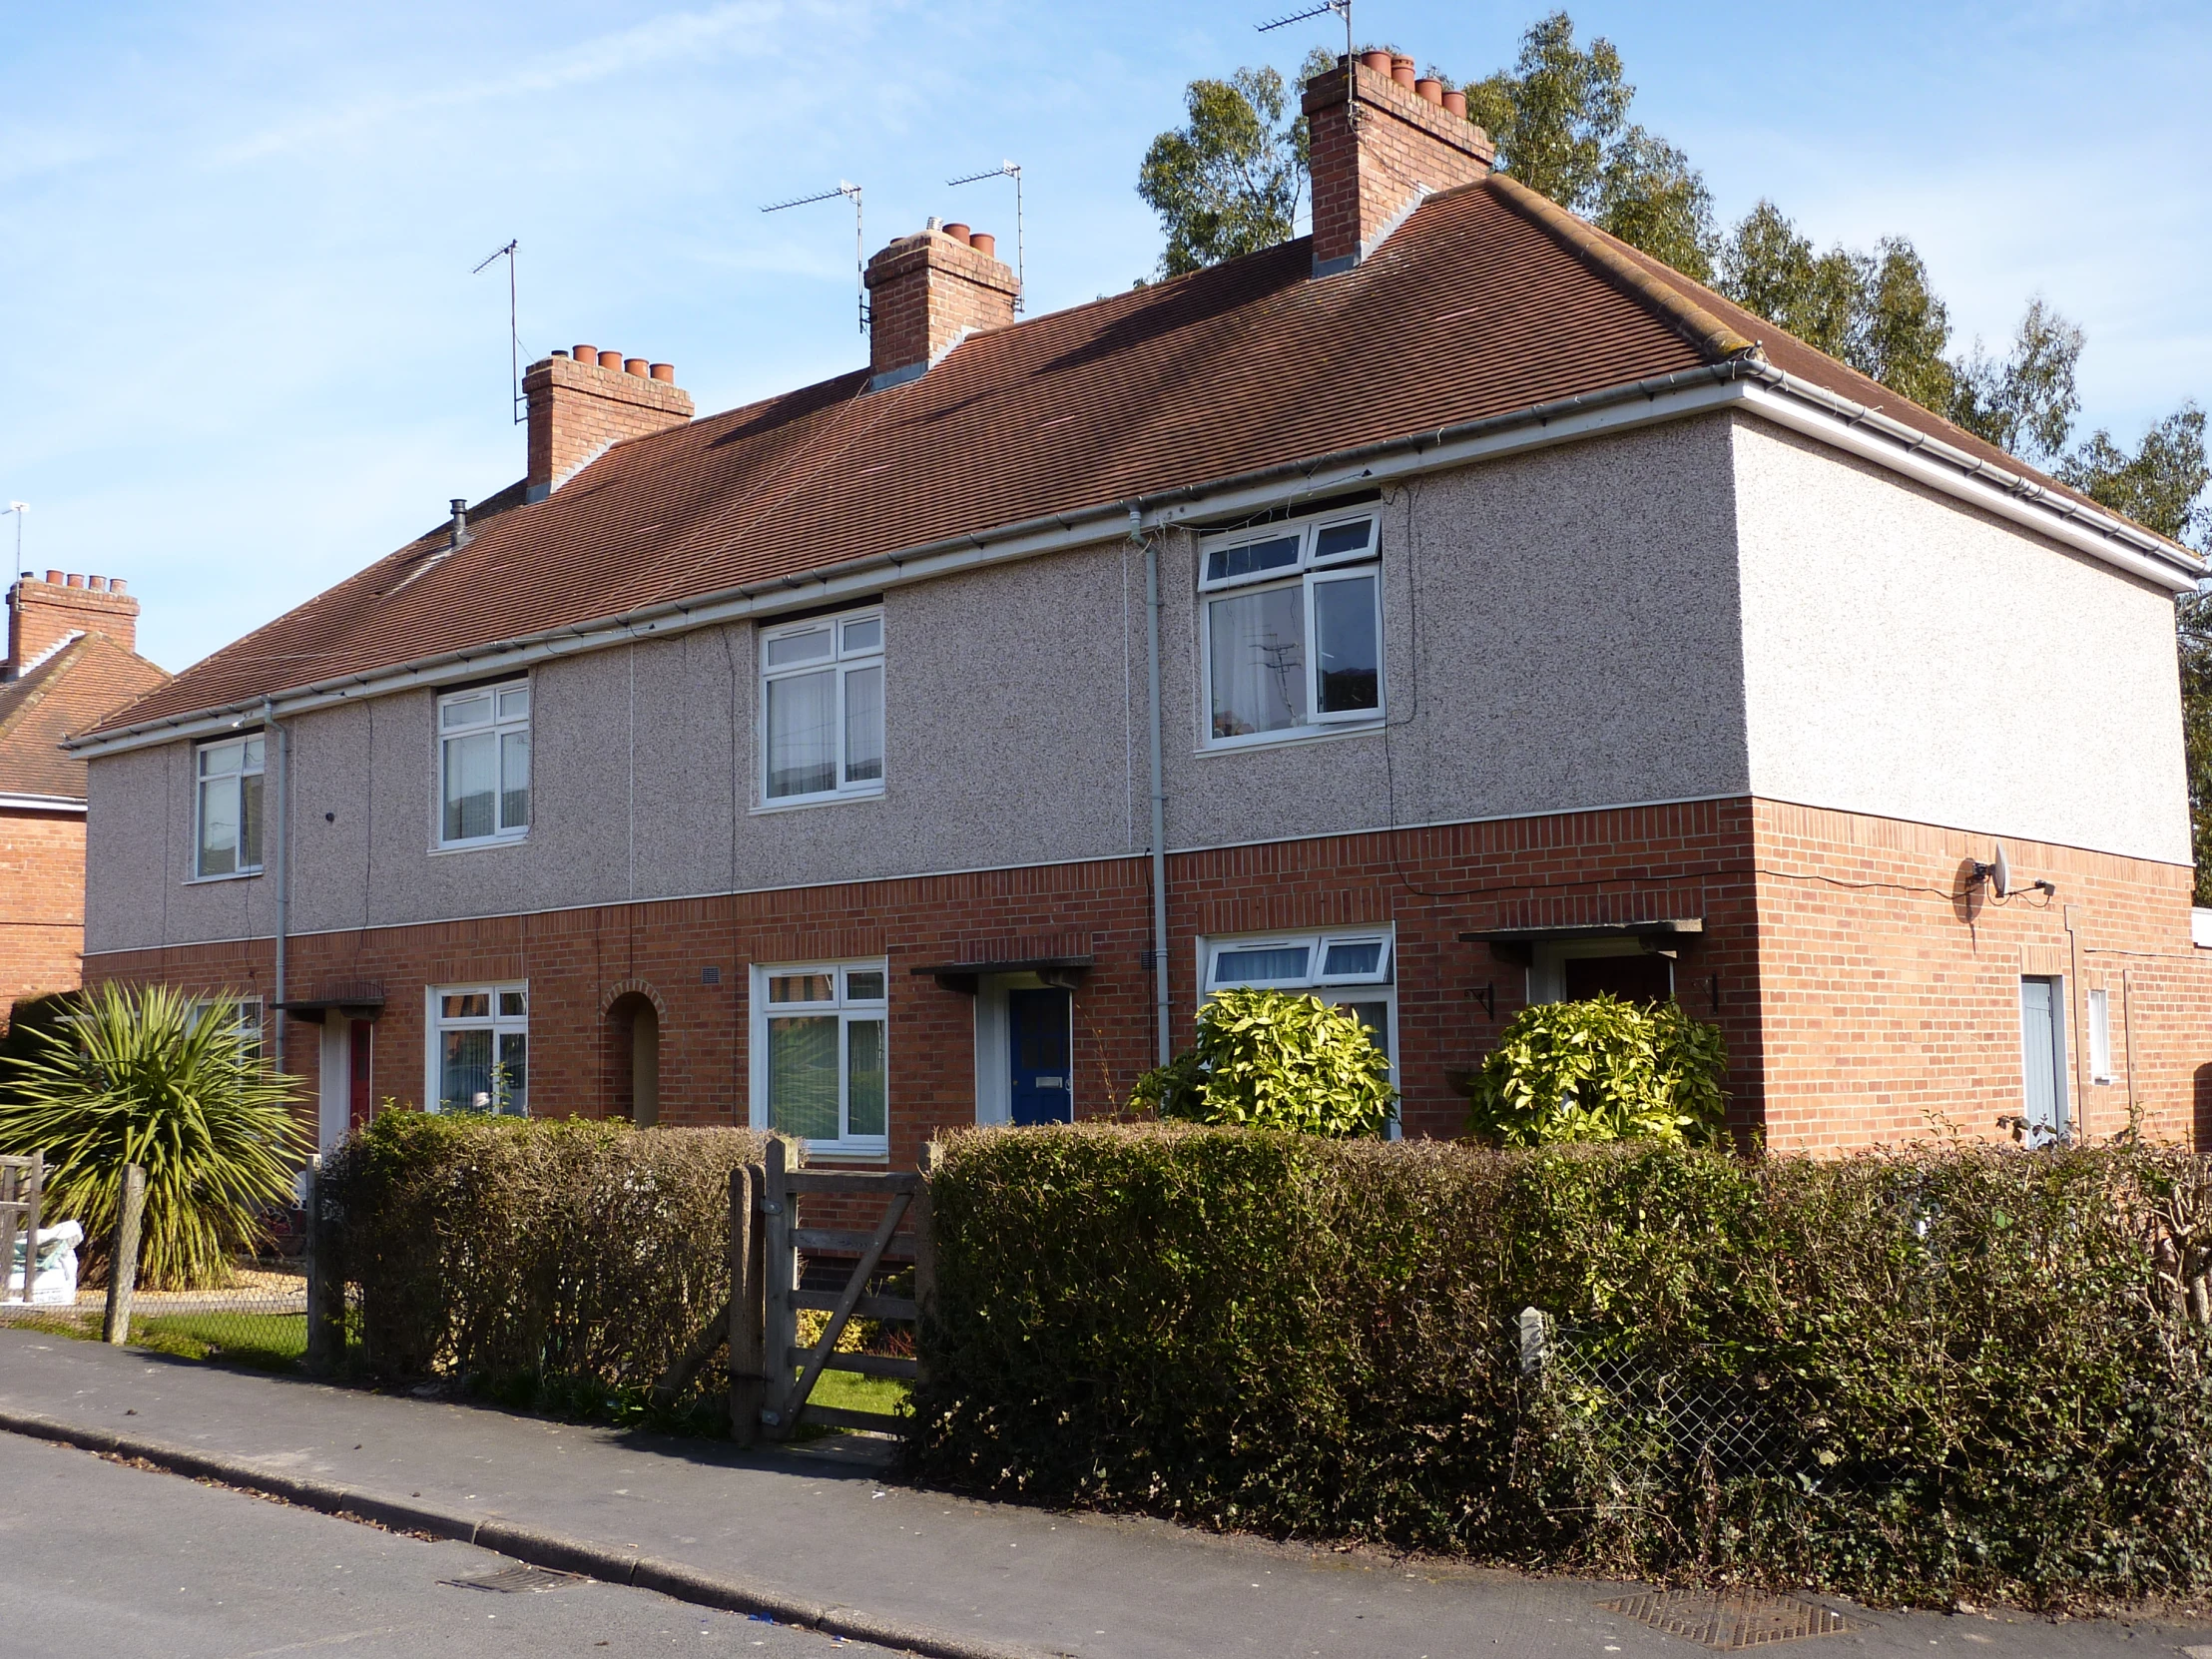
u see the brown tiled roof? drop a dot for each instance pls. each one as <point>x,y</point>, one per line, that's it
<point>74,690</point>
<point>1481,304</point>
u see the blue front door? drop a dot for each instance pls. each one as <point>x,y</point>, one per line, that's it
<point>1037,1026</point>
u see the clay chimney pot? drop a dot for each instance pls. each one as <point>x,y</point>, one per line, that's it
<point>116,584</point>
<point>1380,62</point>
<point>984,244</point>
<point>55,577</point>
<point>1431,90</point>
<point>1457,103</point>
<point>1401,71</point>
<point>638,367</point>
<point>76,580</point>
<point>98,584</point>
<point>958,233</point>
<point>587,354</point>
<point>665,371</point>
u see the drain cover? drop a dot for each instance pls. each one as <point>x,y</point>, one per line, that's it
<point>1729,1621</point>
<point>516,1580</point>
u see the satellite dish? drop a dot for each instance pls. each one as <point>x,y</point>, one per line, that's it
<point>2000,873</point>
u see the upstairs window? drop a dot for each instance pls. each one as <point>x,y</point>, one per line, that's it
<point>228,807</point>
<point>821,708</point>
<point>1294,628</point>
<point>484,764</point>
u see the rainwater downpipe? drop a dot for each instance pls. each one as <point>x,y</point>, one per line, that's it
<point>279,849</point>
<point>1162,1008</point>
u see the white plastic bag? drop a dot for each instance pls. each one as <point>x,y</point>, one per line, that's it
<point>55,1284</point>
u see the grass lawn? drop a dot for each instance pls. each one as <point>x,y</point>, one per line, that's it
<point>849,1391</point>
<point>274,1342</point>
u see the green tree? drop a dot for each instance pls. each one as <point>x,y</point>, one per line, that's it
<point>1560,118</point>
<point>1275,1060</point>
<point>1229,181</point>
<point>2026,403</point>
<point>140,1075</point>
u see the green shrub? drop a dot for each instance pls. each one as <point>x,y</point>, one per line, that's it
<point>1938,1376</point>
<point>542,1260</point>
<point>1275,1060</point>
<point>140,1075</point>
<point>1602,1070</point>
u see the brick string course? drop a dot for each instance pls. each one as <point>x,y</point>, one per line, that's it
<point>1853,1015</point>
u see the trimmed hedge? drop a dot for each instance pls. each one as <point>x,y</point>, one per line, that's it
<point>562,1263</point>
<point>1958,1374</point>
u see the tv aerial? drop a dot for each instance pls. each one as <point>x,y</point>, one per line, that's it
<point>1339,8</point>
<point>860,238</point>
<point>514,334</point>
<point>1007,169</point>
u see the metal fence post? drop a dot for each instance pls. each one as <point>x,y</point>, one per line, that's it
<point>780,1324</point>
<point>325,1282</point>
<point>123,1264</point>
<point>748,1346</point>
<point>1535,1342</point>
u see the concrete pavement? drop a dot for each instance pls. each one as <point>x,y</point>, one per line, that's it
<point>127,1564</point>
<point>873,1559</point>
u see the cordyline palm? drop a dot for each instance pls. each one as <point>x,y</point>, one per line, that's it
<point>140,1075</point>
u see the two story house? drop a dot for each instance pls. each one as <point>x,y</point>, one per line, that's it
<point>1452,609</point>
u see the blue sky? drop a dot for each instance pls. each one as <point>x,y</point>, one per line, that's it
<point>245,355</point>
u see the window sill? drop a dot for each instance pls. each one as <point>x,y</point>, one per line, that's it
<point>1299,735</point>
<point>483,846</point>
<point>812,800</point>
<point>836,1155</point>
<point>210,880</point>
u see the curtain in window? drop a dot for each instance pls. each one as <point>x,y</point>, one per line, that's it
<point>1258,662</point>
<point>219,826</point>
<point>471,785</point>
<point>863,1040</point>
<point>514,780</point>
<point>464,1072</point>
<point>803,1076</point>
<point>863,724</point>
<point>512,1084</point>
<point>802,735</point>
<point>1344,639</point>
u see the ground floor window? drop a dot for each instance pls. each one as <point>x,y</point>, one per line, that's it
<point>1353,970</point>
<point>820,1056</point>
<point>480,1049</point>
<point>248,1017</point>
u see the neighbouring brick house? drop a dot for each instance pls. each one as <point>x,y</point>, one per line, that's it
<point>71,663</point>
<point>1502,616</point>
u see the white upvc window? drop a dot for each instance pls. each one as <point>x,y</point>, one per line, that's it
<point>821,708</point>
<point>479,1049</point>
<point>819,1067</point>
<point>2101,1036</point>
<point>245,1012</point>
<point>484,764</point>
<point>1355,969</point>
<point>227,807</point>
<point>1293,624</point>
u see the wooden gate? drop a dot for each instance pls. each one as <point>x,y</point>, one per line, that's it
<point>22,1184</point>
<point>770,1376</point>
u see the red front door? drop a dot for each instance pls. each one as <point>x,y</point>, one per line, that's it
<point>362,1044</point>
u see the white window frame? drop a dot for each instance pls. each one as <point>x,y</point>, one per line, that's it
<point>848,1009</point>
<point>250,1021</point>
<point>1380,985</point>
<point>844,659</point>
<point>235,776</point>
<point>501,726</point>
<point>1312,570</point>
<point>2100,1034</point>
<point>500,1024</point>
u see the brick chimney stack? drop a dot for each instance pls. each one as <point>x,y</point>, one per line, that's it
<point>582,404</point>
<point>1413,138</point>
<point>926,290</point>
<point>43,614</point>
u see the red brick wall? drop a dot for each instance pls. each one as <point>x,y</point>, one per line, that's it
<point>577,410</point>
<point>1892,1004</point>
<point>39,613</point>
<point>42,903</point>
<point>1847,1008</point>
<point>1363,181</point>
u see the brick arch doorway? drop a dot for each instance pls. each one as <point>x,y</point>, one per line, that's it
<point>633,1019</point>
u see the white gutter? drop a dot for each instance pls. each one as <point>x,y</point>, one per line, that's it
<point>1748,383</point>
<point>69,803</point>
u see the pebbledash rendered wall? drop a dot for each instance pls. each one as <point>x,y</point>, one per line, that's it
<point>1605,671</point>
